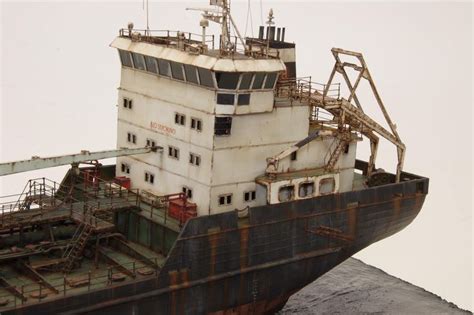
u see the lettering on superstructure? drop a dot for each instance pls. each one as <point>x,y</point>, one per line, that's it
<point>162,128</point>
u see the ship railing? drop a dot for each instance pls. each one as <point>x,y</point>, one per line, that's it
<point>39,194</point>
<point>16,296</point>
<point>101,194</point>
<point>169,38</point>
<point>188,41</point>
<point>305,89</point>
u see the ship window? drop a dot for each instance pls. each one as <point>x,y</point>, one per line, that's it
<point>225,200</point>
<point>294,156</point>
<point>164,67</point>
<point>179,119</point>
<point>191,74</point>
<point>227,80</point>
<point>270,82</point>
<point>125,168</point>
<point>205,77</point>
<point>194,159</point>
<point>177,71</point>
<point>225,99</point>
<point>173,152</point>
<point>250,196</point>
<point>125,58</point>
<point>244,99</point>
<point>188,192</point>
<point>346,148</point>
<point>306,189</point>
<point>258,81</point>
<point>150,143</point>
<point>131,137</point>
<point>286,193</point>
<point>127,103</point>
<point>138,61</point>
<point>149,178</point>
<point>326,186</point>
<point>151,64</point>
<point>246,80</point>
<point>222,126</point>
<point>196,124</point>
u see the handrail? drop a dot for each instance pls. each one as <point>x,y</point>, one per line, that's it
<point>63,284</point>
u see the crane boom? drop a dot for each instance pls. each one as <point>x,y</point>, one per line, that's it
<point>36,163</point>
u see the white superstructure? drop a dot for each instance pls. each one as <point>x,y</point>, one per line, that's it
<point>218,120</point>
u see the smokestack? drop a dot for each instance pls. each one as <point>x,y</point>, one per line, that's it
<point>261,32</point>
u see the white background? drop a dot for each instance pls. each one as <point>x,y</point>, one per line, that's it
<point>59,80</point>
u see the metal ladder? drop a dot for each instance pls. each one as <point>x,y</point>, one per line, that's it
<point>79,241</point>
<point>335,154</point>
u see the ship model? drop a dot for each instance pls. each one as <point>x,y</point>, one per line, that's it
<point>236,184</point>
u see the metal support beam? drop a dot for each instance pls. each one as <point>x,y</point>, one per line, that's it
<point>33,274</point>
<point>12,289</point>
<point>36,163</point>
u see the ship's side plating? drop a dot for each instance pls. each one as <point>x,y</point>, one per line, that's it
<point>219,263</point>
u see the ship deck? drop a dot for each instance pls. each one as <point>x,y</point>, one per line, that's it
<point>129,240</point>
<point>46,251</point>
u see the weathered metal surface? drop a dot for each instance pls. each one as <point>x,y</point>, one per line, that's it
<point>216,265</point>
<point>37,163</point>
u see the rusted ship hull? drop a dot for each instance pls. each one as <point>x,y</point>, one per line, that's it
<point>221,265</point>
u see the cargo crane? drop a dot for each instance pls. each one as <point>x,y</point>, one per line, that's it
<point>36,163</point>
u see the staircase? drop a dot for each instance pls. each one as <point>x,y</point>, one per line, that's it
<point>335,154</point>
<point>74,251</point>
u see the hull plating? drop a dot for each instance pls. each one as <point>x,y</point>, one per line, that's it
<point>220,267</point>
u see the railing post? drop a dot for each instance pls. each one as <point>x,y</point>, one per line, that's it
<point>64,285</point>
<point>22,293</point>
<point>89,281</point>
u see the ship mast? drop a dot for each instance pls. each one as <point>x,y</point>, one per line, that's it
<point>222,15</point>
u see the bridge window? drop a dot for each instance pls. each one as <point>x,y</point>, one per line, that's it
<point>227,80</point>
<point>250,196</point>
<point>306,189</point>
<point>125,58</point>
<point>270,82</point>
<point>244,99</point>
<point>246,81</point>
<point>258,81</point>
<point>327,186</point>
<point>225,200</point>
<point>191,74</point>
<point>286,193</point>
<point>196,124</point>
<point>151,64</point>
<point>205,77</point>
<point>222,126</point>
<point>164,67</point>
<point>177,71</point>
<point>225,99</point>
<point>138,61</point>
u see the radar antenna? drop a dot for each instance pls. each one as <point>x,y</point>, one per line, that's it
<point>221,15</point>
